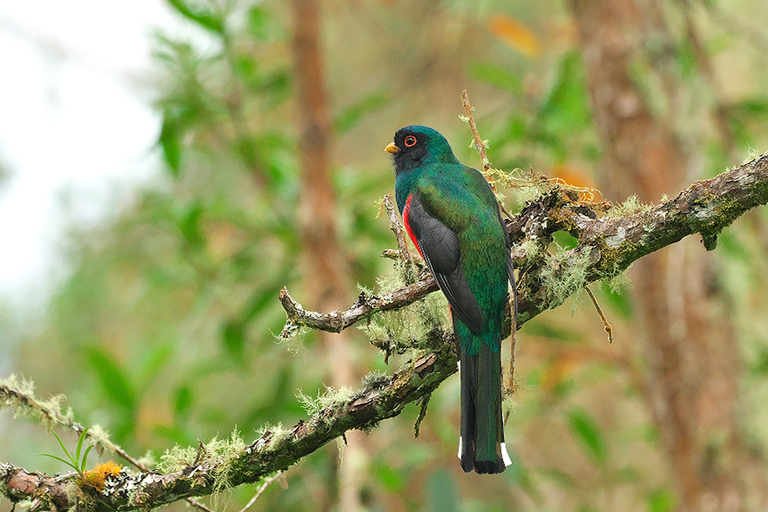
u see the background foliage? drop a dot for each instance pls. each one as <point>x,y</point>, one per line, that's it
<point>164,332</point>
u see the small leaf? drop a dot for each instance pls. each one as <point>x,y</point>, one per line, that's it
<point>80,442</point>
<point>60,460</point>
<point>515,34</point>
<point>233,337</point>
<point>565,108</point>
<point>258,23</point>
<point>169,142</point>
<point>84,463</point>
<point>588,432</point>
<point>189,225</point>
<point>183,400</point>
<point>661,500</point>
<point>112,377</point>
<point>205,19</point>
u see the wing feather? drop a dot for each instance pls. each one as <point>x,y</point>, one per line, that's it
<point>439,245</point>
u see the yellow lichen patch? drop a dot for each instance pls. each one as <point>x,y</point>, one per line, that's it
<point>97,476</point>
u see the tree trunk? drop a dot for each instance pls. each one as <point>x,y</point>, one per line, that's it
<point>325,262</point>
<point>692,361</point>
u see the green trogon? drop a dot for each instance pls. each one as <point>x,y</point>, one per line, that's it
<point>451,214</point>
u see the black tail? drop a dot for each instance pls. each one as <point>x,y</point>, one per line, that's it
<point>482,433</point>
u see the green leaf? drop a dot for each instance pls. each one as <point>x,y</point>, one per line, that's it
<point>565,240</point>
<point>233,337</point>
<point>565,109</point>
<point>205,19</point>
<point>349,117</point>
<point>60,460</point>
<point>496,76</point>
<point>80,442</point>
<point>661,500</point>
<point>756,106</point>
<point>189,225</point>
<point>258,23</point>
<point>760,366</point>
<point>169,141</point>
<point>113,378</point>
<point>588,432</point>
<point>393,480</point>
<point>84,462</point>
<point>183,400</point>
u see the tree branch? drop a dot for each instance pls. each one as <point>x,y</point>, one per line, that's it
<point>607,245</point>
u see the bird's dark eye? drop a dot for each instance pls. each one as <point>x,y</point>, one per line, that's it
<point>410,141</point>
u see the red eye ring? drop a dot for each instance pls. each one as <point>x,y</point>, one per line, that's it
<point>410,141</point>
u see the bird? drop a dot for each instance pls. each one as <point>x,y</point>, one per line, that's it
<point>451,214</point>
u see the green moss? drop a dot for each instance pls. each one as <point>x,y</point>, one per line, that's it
<point>533,251</point>
<point>277,434</point>
<point>376,380</point>
<point>331,399</point>
<point>618,282</point>
<point>216,450</point>
<point>565,275</point>
<point>148,460</point>
<point>631,206</point>
<point>294,340</point>
<point>508,403</point>
<point>403,329</point>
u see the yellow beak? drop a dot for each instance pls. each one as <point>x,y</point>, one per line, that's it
<point>392,148</point>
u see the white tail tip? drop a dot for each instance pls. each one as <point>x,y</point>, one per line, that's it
<point>505,455</point>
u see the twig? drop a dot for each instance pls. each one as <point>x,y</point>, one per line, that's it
<point>262,488</point>
<point>199,506</point>
<point>337,321</point>
<point>394,254</point>
<point>422,415</point>
<point>479,144</point>
<point>12,395</point>
<point>481,148</point>
<point>608,327</point>
<point>398,229</point>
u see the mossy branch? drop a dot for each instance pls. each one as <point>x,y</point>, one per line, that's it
<point>275,450</point>
<point>608,242</point>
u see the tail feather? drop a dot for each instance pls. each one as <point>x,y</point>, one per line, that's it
<point>482,447</point>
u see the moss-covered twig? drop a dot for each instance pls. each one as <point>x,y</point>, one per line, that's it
<point>20,396</point>
<point>273,451</point>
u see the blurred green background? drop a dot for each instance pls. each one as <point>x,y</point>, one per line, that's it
<point>163,331</point>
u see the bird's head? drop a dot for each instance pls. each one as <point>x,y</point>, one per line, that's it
<point>416,145</point>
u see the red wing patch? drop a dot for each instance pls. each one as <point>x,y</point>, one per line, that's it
<point>406,214</point>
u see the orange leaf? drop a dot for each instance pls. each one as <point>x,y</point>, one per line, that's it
<point>515,35</point>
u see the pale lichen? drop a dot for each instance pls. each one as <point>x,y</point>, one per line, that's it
<point>331,399</point>
<point>403,329</point>
<point>565,275</point>
<point>631,206</point>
